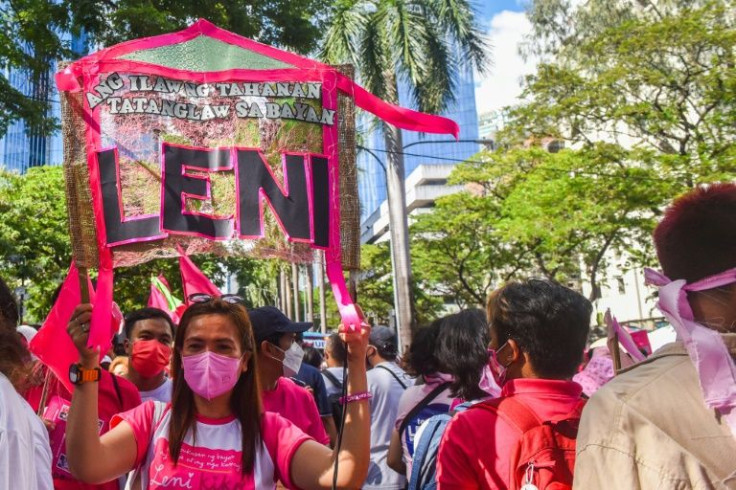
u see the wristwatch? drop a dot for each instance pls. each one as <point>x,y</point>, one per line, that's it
<point>79,374</point>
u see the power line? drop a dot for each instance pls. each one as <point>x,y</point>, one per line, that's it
<point>550,169</point>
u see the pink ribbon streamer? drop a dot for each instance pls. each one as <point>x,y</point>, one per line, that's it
<point>623,337</point>
<point>708,352</point>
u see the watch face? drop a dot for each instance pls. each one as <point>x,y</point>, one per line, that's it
<point>74,374</point>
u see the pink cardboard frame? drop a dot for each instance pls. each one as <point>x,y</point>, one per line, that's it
<point>85,73</point>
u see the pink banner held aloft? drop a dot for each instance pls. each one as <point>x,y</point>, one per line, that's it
<point>52,345</point>
<point>183,151</point>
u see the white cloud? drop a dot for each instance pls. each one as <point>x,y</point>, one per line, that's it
<point>501,86</point>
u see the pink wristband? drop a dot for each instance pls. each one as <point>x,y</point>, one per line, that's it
<point>355,398</point>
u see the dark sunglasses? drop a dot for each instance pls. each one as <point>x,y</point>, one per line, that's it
<point>206,298</point>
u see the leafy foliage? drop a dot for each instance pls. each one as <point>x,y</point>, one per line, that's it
<point>34,241</point>
<point>376,291</point>
<point>421,42</point>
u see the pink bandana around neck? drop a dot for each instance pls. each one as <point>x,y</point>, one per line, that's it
<point>708,352</point>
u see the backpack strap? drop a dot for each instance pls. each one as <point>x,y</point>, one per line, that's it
<point>333,379</point>
<point>434,426</point>
<point>513,411</point>
<point>403,385</point>
<point>521,416</point>
<point>419,406</point>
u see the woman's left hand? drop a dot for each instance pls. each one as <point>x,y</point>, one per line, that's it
<point>355,340</point>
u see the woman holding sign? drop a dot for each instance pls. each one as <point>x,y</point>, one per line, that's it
<point>214,434</point>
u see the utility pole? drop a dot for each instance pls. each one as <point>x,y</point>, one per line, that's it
<point>295,284</point>
<point>321,282</point>
<point>399,228</point>
<point>310,293</point>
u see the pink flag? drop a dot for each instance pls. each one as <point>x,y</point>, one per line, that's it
<point>157,300</point>
<point>624,337</point>
<point>52,345</point>
<point>162,298</point>
<point>193,280</point>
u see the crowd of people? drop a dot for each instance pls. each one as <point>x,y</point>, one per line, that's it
<point>497,399</point>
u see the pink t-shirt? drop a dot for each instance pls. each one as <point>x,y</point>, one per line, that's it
<point>476,447</point>
<point>297,405</point>
<point>57,408</point>
<point>214,459</point>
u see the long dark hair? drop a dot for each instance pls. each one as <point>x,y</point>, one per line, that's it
<point>245,401</point>
<point>420,359</point>
<point>14,360</point>
<point>461,351</point>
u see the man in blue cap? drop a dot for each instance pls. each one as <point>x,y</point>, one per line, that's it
<point>279,358</point>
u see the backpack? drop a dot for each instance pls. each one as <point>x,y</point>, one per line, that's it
<point>426,446</point>
<point>544,457</point>
<point>334,399</point>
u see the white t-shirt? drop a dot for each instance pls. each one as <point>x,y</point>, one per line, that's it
<point>331,388</point>
<point>25,453</point>
<point>213,460</point>
<point>386,392</point>
<point>161,394</point>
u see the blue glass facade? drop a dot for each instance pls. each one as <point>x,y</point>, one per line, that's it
<point>422,147</point>
<point>22,147</point>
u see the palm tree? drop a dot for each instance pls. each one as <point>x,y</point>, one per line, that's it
<point>422,42</point>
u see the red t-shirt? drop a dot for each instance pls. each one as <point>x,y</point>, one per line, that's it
<point>476,446</point>
<point>109,404</point>
<point>297,405</point>
<point>213,457</point>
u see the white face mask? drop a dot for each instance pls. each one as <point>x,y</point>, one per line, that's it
<point>292,359</point>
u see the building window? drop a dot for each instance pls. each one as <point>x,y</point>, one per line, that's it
<point>621,285</point>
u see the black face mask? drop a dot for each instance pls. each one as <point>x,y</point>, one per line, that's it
<point>368,356</point>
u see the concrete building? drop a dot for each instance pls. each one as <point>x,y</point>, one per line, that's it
<point>426,184</point>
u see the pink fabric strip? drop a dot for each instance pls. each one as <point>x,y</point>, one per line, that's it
<point>398,116</point>
<point>623,337</point>
<point>708,352</point>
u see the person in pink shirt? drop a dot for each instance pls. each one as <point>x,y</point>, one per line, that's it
<point>538,335</point>
<point>279,359</point>
<point>214,433</point>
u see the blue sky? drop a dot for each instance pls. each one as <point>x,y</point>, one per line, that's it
<point>488,8</point>
<point>505,24</point>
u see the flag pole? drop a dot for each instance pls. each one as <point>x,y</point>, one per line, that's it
<point>616,355</point>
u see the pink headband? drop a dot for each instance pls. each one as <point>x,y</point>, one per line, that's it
<point>708,352</point>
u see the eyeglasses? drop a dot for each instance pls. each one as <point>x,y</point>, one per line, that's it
<point>206,298</point>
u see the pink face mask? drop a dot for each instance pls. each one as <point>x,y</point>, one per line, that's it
<point>493,376</point>
<point>210,375</point>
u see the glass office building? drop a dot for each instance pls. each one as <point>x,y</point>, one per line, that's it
<point>419,148</point>
<point>21,147</point>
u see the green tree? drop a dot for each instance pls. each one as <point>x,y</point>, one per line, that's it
<point>458,252</point>
<point>422,43</point>
<point>376,290</point>
<point>657,75</point>
<point>34,241</point>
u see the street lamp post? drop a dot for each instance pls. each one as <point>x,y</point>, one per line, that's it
<point>399,231</point>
